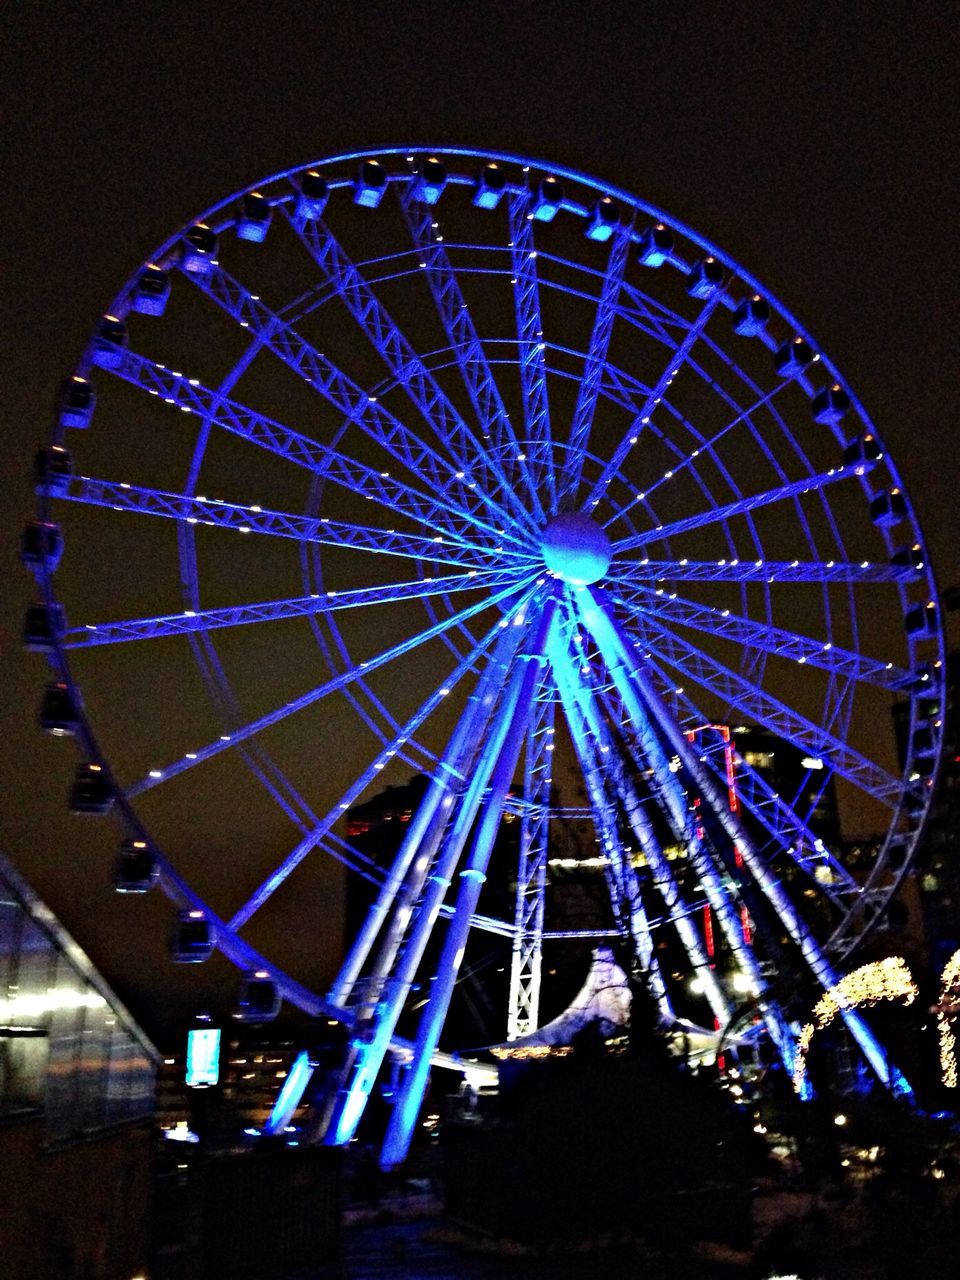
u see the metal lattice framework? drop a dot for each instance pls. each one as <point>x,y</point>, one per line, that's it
<point>615,509</point>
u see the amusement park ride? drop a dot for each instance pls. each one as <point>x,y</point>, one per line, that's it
<point>567,493</point>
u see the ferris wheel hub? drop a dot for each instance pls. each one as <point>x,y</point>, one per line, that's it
<point>576,548</point>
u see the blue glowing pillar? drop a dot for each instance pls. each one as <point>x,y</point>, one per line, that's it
<point>625,878</point>
<point>619,651</point>
<point>428,822</point>
<point>669,786</point>
<point>288,1099</point>
<point>403,1118</point>
<point>577,692</point>
<point>371,1050</point>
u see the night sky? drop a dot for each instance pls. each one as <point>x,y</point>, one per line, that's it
<point>815,144</point>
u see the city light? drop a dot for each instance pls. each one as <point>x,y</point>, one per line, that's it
<point>53,1000</point>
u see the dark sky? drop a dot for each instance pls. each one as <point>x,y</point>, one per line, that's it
<point>816,144</point>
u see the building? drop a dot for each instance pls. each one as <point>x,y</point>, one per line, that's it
<point>76,1106</point>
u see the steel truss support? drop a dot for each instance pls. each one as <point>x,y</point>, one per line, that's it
<point>599,618</point>
<point>527,957</point>
<point>657,602</point>
<point>717,884</point>
<point>625,895</point>
<point>509,740</point>
<point>442,779</point>
<point>595,362</point>
<point>428,822</point>
<point>495,490</point>
<point>468,352</point>
<point>431,874</point>
<point>313,605</point>
<point>575,693</point>
<point>734,690</point>
<point>774,814</point>
<point>656,394</point>
<point>347,397</point>
<point>646,571</point>
<point>753,502</point>
<point>531,346</point>
<point>227,741</point>
<point>191,397</point>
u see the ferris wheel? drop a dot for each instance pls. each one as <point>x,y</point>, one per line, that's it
<point>463,464</point>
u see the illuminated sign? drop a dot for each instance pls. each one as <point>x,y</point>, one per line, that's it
<point>203,1057</point>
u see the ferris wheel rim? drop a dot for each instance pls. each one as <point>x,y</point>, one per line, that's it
<point>560,171</point>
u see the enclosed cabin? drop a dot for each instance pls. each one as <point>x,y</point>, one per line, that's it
<point>547,200</point>
<point>253,217</point>
<point>193,938</point>
<point>656,246</point>
<point>830,406</point>
<point>92,790</point>
<point>136,869</point>
<point>109,343</point>
<point>751,317</point>
<point>312,196</point>
<point>369,184</point>
<point>705,278</point>
<point>198,249</point>
<point>259,997</point>
<point>59,714</point>
<point>43,624</point>
<point>922,621</point>
<point>52,470</point>
<point>78,399</point>
<point>792,358</point>
<point>429,182</point>
<point>862,454</point>
<point>603,221</point>
<point>489,187</point>
<point>151,292</point>
<point>888,509</point>
<point>910,559</point>
<point>41,546</point>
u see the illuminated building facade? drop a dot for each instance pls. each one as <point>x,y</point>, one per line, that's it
<point>76,1104</point>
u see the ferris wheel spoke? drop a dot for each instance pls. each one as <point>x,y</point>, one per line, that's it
<point>445,773</point>
<point>470,879</point>
<point>351,400</point>
<point>538,447</point>
<point>459,779</point>
<point>750,634</point>
<point>408,368</point>
<point>645,571</point>
<point>742,506</point>
<point>581,711</point>
<point>465,344</point>
<point>672,369</point>
<point>595,360</point>
<point>704,446</point>
<point>440,549</point>
<point>718,885</point>
<point>341,681</point>
<point>526,960</point>
<point>713,877</point>
<point>95,633</point>
<point>812,953</point>
<point>626,899</point>
<point>479,809</point>
<point>752,792</point>
<point>754,703</point>
<point>190,396</point>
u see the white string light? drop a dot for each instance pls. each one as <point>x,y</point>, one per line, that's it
<point>888,979</point>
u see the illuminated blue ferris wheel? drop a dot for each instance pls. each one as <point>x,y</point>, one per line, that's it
<point>532,486</point>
